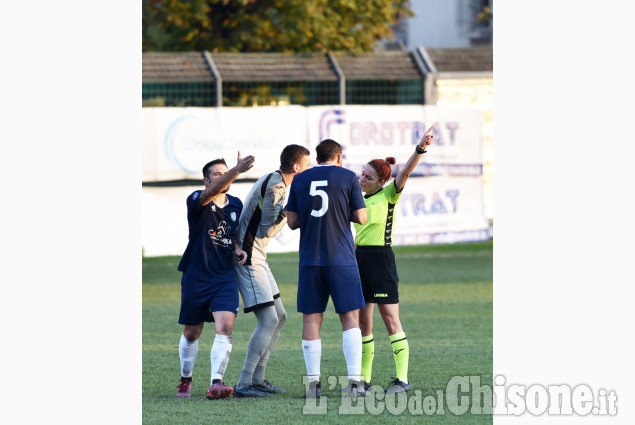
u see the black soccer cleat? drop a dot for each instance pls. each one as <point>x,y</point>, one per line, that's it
<point>367,386</point>
<point>314,390</point>
<point>248,391</point>
<point>266,387</point>
<point>397,386</point>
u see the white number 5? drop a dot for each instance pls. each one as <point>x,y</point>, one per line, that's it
<point>314,191</point>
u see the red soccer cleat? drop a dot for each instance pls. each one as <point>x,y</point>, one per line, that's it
<point>219,390</point>
<point>184,389</point>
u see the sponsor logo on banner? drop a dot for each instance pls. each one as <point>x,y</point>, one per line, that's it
<point>371,132</point>
<point>327,119</point>
<point>186,139</point>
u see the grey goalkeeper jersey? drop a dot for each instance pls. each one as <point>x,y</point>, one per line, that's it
<point>263,215</point>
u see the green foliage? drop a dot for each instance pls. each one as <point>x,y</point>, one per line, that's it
<point>485,16</point>
<point>445,309</point>
<point>155,101</point>
<point>268,25</point>
<point>263,94</point>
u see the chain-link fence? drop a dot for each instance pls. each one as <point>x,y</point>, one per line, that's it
<point>225,79</point>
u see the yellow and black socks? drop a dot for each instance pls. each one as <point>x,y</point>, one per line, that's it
<point>401,352</point>
<point>368,353</point>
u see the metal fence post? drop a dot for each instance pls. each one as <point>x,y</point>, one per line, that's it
<point>340,76</point>
<point>430,71</point>
<point>218,79</point>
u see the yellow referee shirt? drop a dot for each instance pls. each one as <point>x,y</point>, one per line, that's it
<point>380,207</point>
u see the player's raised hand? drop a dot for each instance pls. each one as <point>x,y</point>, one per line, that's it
<point>427,138</point>
<point>245,164</point>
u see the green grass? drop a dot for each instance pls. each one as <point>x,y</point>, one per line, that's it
<point>445,309</point>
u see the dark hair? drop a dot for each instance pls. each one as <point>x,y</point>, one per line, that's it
<point>211,164</point>
<point>292,154</point>
<point>327,150</point>
<point>382,167</point>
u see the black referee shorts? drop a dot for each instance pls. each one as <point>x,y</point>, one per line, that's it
<point>378,272</point>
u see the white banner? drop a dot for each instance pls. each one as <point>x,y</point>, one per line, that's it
<point>431,210</point>
<point>440,210</point>
<point>165,221</point>
<point>179,141</point>
<point>369,132</point>
<point>445,206</point>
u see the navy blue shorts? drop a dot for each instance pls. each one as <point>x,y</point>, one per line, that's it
<point>199,298</point>
<point>342,283</point>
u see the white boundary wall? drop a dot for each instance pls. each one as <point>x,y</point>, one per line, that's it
<point>442,202</point>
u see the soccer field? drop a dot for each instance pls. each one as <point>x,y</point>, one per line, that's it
<point>446,312</point>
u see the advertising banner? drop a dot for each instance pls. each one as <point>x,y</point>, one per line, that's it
<point>440,210</point>
<point>182,140</point>
<point>441,203</point>
<point>165,221</point>
<point>369,132</point>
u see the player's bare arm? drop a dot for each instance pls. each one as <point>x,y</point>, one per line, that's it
<point>293,220</point>
<point>242,255</point>
<point>359,216</point>
<point>404,173</point>
<point>220,181</point>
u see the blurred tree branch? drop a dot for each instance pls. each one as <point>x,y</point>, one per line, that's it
<point>268,25</point>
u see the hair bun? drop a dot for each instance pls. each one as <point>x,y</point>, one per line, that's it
<point>390,160</point>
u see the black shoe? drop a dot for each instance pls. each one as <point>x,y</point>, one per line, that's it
<point>397,386</point>
<point>367,386</point>
<point>356,389</point>
<point>249,391</point>
<point>314,391</point>
<point>266,387</point>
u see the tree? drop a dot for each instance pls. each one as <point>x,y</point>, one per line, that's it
<point>268,25</point>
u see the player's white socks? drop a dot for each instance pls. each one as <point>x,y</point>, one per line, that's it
<point>187,354</point>
<point>312,356</point>
<point>352,346</point>
<point>221,350</point>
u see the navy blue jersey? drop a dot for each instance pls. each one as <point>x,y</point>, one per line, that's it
<point>212,230</point>
<point>324,197</point>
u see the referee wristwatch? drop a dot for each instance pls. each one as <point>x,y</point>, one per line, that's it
<point>419,150</point>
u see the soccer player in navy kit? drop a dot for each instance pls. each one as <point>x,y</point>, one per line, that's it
<point>209,292</point>
<point>322,202</point>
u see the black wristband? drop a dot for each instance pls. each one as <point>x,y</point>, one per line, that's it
<point>419,150</point>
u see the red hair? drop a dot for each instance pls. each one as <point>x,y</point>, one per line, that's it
<point>382,167</point>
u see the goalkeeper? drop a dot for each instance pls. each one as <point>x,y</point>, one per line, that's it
<point>262,218</point>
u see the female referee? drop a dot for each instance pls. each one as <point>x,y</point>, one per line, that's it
<point>376,262</point>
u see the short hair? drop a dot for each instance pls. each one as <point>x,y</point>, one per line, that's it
<point>382,167</point>
<point>211,164</point>
<point>327,150</point>
<point>292,154</point>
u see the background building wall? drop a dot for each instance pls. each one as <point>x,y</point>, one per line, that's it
<point>447,23</point>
